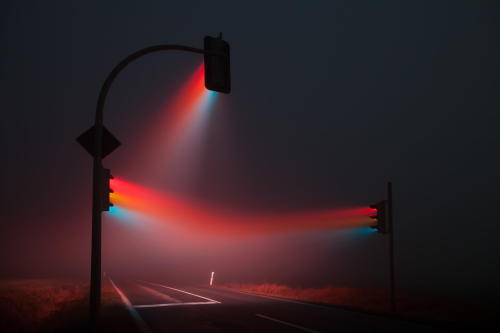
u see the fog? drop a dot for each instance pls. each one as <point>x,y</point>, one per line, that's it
<point>328,103</point>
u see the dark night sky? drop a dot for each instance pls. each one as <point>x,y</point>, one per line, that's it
<point>329,101</point>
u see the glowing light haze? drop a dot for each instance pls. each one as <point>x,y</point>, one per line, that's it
<point>172,140</point>
<point>178,134</point>
<point>304,137</point>
<point>149,204</point>
<point>174,149</point>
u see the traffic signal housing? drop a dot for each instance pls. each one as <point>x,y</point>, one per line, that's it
<point>380,216</point>
<point>106,203</point>
<point>217,68</point>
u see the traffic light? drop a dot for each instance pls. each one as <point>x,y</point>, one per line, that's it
<point>380,216</point>
<point>106,203</point>
<point>217,69</point>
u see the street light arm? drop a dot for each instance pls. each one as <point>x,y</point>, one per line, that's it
<point>126,61</point>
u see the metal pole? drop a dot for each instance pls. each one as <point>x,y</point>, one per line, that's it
<point>391,247</point>
<point>95,269</point>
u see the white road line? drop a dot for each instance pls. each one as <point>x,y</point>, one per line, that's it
<point>182,291</point>
<point>173,304</point>
<point>141,324</point>
<point>302,328</point>
<point>161,295</point>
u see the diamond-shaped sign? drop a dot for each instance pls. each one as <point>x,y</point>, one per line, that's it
<point>109,142</point>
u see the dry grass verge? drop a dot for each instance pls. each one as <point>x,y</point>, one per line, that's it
<point>57,305</point>
<point>371,300</point>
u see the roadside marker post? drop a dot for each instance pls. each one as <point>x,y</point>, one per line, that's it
<point>212,279</point>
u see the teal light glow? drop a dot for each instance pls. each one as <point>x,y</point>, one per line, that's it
<point>347,234</point>
<point>202,110</point>
<point>184,161</point>
<point>365,231</point>
<point>128,217</point>
<point>357,233</point>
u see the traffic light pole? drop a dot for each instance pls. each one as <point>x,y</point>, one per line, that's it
<point>391,247</point>
<point>97,184</point>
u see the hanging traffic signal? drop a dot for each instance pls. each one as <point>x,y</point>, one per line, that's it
<point>106,203</point>
<point>380,216</point>
<point>217,69</point>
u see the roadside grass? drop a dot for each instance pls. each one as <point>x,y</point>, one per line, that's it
<point>444,312</point>
<point>57,305</point>
<point>370,300</point>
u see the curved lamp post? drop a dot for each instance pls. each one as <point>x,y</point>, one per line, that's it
<point>217,78</point>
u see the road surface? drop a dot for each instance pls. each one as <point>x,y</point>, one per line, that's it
<point>159,307</point>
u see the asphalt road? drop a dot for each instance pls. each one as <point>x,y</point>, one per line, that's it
<point>158,307</point>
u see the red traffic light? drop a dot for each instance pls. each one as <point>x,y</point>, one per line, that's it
<point>380,216</point>
<point>106,177</point>
<point>217,66</point>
